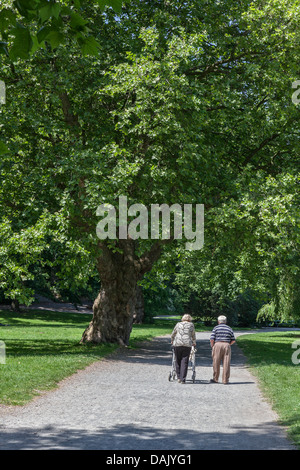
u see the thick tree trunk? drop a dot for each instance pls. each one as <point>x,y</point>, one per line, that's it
<point>112,318</point>
<point>113,310</point>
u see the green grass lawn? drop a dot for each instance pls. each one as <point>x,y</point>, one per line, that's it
<point>270,358</point>
<point>42,348</point>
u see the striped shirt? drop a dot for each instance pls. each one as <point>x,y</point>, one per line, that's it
<point>222,332</point>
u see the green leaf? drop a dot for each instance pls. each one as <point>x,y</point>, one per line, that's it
<point>25,6</point>
<point>77,22</point>
<point>36,44</point>
<point>7,18</point>
<point>22,43</point>
<point>77,3</point>
<point>55,38</point>
<point>50,34</point>
<point>43,33</point>
<point>115,4</point>
<point>89,46</point>
<point>52,9</point>
<point>3,48</point>
<point>3,148</point>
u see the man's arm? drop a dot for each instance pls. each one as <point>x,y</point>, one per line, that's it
<point>232,338</point>
<point>212,338</point>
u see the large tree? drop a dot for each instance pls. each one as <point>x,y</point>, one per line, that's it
<point>180,101</point>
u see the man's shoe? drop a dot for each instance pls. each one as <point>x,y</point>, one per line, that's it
<point>212,381</point>
<point>179,381</point>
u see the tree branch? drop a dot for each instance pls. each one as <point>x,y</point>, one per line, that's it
<point>260,147</point>
<point>148,258</point>
<point>70,118</point>
<point>216,66</point>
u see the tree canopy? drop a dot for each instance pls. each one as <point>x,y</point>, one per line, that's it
<point>183,102</point>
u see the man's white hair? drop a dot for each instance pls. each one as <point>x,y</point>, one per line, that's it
<point>222,319</point>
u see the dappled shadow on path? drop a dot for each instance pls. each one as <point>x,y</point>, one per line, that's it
<point>139,437</point>
<point>158,351</point>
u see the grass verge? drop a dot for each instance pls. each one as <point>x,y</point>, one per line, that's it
<point>270,358</point>
<point>42,348</point>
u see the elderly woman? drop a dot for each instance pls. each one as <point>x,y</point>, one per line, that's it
<point>183,338</point>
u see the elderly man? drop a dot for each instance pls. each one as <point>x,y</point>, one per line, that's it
<point>221,339</point>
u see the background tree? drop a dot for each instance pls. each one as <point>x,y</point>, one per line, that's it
<point>254,245</point>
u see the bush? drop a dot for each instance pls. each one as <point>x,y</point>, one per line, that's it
<point>207,306</point>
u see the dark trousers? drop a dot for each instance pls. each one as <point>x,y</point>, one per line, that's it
<point>182,354</point>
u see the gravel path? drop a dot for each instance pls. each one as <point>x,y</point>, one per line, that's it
<point>127,402</point>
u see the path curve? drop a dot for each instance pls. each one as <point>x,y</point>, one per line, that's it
<point>126,402</point>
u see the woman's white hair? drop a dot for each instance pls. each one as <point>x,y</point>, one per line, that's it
<point>186,317</point>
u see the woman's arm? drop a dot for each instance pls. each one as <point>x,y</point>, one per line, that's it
<point>174,333</point>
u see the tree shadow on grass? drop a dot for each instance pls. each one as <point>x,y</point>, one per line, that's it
<point>45,316</point>
<point>269,352</point>
<point>39,347</point>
